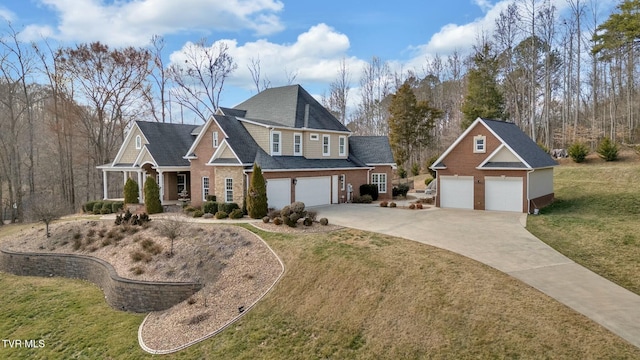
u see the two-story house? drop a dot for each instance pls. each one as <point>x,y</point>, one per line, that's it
<point>305,153</point>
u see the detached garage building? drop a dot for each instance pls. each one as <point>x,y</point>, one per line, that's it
<point>494,165</point>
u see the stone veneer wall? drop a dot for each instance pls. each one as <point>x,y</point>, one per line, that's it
<point>120,293</point>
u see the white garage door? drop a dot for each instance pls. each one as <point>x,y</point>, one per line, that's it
<point>503,194</point>
<point>278,193</point>
<point>456,192</point>
<point>314,190</point>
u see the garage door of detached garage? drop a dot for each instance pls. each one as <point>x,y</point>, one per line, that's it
<point>456,192</point>
<point>278,193</point>
<point>314,191</point>
<point>503,193</point>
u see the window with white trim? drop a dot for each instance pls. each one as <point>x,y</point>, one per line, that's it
<point>314,137</point>
<point>205,187</point>
<point>215,139</point>
<point>297,144</point>
<point>275,143</point>
<point>138,142</point>
<point>228,190</point>
<point>381,181</point>
<point>343,181</point>
<point>479,144</point>
<point>326,145</point>
<point>342,145</point>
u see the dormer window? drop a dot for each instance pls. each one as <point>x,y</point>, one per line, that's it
<point>275,143</point>
<point>138,142</point>
<point>480,144</point>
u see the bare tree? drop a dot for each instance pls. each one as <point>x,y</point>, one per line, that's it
<point>291,75</point>
<point>255,70</point>
<point>337,100</point>
<point>171,228</point>
<point>201,78</point>
<point>45,208</point>
<point>160,79</point>
<point>371,115</point>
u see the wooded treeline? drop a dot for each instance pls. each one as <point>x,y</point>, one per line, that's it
<point>64,110</point>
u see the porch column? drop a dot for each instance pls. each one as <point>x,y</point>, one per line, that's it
<point>140,192</point>
<point>125,176</point>
<point>161,185</point>
<point>104,185</point>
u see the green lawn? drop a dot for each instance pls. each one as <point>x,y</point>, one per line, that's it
<point>345,295</point>
<point>595,220</point>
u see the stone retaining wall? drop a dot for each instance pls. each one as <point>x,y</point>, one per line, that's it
<point>120,293</point>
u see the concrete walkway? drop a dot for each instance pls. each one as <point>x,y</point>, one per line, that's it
<point>501,241</point>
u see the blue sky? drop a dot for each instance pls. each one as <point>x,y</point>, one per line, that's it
<point>309,38</point>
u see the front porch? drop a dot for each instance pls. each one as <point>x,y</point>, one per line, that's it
<point>174,182</point>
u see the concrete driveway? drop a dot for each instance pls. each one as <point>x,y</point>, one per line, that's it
<point>501,241</point>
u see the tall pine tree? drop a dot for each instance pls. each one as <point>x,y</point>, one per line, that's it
<point>410,123</point>
<point>484,98</point>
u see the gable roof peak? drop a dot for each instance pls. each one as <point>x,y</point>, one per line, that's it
<point>289,106</point>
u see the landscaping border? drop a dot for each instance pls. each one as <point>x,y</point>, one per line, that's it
<point>120,293</point>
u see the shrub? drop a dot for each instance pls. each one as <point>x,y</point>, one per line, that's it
<point>151,247</point>
<point>198,213</point>
<point>324,221</point>
<point>189,209</point>
<point>307,222</point>
<point>222,214</point>
<point>400,190</point>
<point>277,221</point>
<point>210,207</point>
<point>297,207</point>
<point>412,206</point>
<point>608,150</point>
<point>236,214</point>
<point>210,198</point>
<point>257,194</point>
<point>428,181</point>
<point>152,196</point>
<point>88,206</point>
<point>228,207</point>
<point>266,219</point>
<point>131,192</point>
<point>106,208</point>
<point>384,204</point>
<point>364,199</point>
<point>402,173</point>
<point>289,221</point>
<point>415,169</point>
<point>140,256</point>
<point>97,207</point>
<point>392,205</point>
<point>578,151</point>
<point>294,217</point>
<point>419,206</point>
<point>312,215</point>
<point>369,189</point>
<point>286,211</point>
<point>117,206</point>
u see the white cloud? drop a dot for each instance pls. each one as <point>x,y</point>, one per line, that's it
<point>485,5</point>
<point>134,22</point>
<point>6,14</point>
<point>314,57</point>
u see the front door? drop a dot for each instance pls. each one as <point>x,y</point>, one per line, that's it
<point>182,183</point>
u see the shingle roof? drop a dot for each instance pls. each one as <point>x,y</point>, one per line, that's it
<point>233,112</point>
<point>522,144</point>
<point>239,139</point>
<point>287,106</point>
<point>371,149</point>
<point>168,143</point>
<point>267,162</point>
